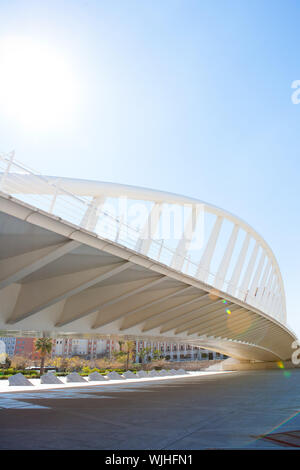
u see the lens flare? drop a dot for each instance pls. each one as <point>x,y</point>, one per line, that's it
<point>238,327</point>
<point>38,89</point>
<point>214,294</point>
<point>286,373</point>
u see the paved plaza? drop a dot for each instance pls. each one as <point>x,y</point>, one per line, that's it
<point>217,411</point>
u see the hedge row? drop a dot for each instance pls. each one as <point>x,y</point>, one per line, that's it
<point>34,374</point>
<point>16,371</point>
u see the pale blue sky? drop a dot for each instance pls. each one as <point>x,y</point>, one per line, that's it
<point>192,97</point>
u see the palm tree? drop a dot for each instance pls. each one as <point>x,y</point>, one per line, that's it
<point>126,352</point>
<point>156,354</point>
<point>44,346</point>
<point>129,351</point>
<point>144,354</point>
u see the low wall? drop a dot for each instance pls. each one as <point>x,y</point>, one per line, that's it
<point>191,365</point>
<point>234,364</point>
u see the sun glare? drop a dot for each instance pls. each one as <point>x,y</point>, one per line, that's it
<point>37,87</point>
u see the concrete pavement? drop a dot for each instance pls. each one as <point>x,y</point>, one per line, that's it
<point>218,411</point>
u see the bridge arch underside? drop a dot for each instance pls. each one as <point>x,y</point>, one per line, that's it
<point>59,279</point>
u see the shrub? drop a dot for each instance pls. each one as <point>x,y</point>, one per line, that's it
<point>20,362</point>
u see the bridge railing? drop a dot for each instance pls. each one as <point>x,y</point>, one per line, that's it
<point>49,194</point>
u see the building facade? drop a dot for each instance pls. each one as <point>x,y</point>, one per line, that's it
<point>144,350</point>
<point>10,344</point>
<point>97,348</point>
<point>21,346</point>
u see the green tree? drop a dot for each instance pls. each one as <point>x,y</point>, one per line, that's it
<point>126,354</point>
<point>156,354</point>
<point>7,362</point>
<point>129,350</point>
<point>144,354</point>
<point>44,347</point>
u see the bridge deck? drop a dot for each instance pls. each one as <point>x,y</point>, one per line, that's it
<point>60,278</point>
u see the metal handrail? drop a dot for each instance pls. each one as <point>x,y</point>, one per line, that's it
<point>75,204</point>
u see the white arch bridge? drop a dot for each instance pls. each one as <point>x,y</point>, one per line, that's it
<point>72,262</point>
